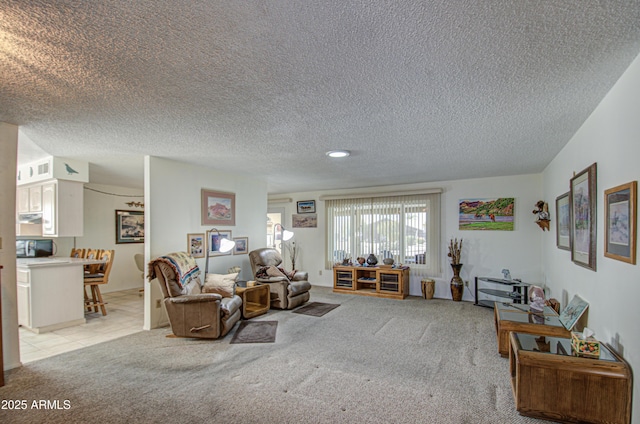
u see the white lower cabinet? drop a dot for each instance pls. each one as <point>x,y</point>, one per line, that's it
<point>50,298</point>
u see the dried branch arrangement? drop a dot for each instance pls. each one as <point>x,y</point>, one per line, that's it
<point>454,250</point>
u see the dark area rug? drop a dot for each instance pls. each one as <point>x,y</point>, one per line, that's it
<point>316,309</point>
<point>255,332</point>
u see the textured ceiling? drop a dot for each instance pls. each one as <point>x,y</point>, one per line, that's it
<point>417,90</point>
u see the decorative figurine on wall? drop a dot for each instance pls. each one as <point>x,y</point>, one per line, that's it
<point>542,211</point>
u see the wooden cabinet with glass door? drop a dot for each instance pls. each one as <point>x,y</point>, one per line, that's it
<point>371,281</point>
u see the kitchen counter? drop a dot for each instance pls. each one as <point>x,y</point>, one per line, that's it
<point>54,261</point>
<point>51,292</point>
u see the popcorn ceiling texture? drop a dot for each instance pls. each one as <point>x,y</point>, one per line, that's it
<point>417,90</point>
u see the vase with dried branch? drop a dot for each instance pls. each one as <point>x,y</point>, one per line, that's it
<point>457,285</point>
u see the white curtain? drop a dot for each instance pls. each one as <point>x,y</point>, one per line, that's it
<point>405,228</point>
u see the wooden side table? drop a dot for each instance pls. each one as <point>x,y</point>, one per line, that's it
<point>550,382</point>
<point>517,318</point>
<point>256,299</point>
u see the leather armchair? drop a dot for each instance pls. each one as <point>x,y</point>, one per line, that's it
<point>197,314</point>
<point>285,293</point>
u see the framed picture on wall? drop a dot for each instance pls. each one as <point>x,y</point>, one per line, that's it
<point>218,208</point>
<point>307,206</point>
<point>620,222</point>
<point>242,245</point>
<point>563,222</point>
<point>486,214</point>
<point>304,221</point>
<point>129,226</point>
<point>582,201</point>
<point>214,242</point>
<point>196,245</point>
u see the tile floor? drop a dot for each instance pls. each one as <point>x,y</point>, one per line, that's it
<point>125,315</point>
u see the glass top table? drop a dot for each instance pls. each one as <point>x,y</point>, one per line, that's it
<point>518,318</point>
<point>521,313</point>
<point>556,346</point>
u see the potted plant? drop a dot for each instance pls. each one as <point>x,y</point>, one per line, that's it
<point>457,285</point>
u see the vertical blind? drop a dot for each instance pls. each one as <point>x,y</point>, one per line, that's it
<point>405,228</point>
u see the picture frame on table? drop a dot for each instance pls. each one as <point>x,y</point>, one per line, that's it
<point>563,222</point>
<point>218,208</point>
<point>620,222</point>
<point>196,243</point>
<point>213,242</point>
<point>242,245</point>
<point>129,226</point>
<point>306,206</point>
<point>572,313</point>
<point>582,203</point>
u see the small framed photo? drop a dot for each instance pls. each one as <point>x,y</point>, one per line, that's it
<point>563,222</point>
<point>214,242</point>
<point>620,222</point>
<point>196,244</point>
<point>582,201</point>
<point>129,226</point>
<point>307,206</point>
<point>242,245</point>
<point>218,208</point>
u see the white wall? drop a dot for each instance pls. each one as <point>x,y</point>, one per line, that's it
<point>100,233</point>
<point>610,137</point>
<point>172,192</point>
<point>8,167</point>
<point>485,253</point>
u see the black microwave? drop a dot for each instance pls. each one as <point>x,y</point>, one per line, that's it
<point>34,248</point>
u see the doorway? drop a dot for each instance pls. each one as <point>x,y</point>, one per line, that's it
<point>274,216</point>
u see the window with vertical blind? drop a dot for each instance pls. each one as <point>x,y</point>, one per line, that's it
<point>405,228</point>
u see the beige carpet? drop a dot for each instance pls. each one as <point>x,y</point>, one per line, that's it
<point>369,361</point>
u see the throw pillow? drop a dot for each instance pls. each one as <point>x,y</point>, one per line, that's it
<point>223,284</point>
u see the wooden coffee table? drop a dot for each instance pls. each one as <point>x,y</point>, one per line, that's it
<point>256,299</point>
<point>517,318</point>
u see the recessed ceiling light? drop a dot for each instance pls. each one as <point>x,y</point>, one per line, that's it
<point>338,153</point>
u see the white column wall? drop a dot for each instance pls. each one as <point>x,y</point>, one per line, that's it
<point>8,169</point>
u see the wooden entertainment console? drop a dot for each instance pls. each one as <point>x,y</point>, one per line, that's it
<point>376,281</point>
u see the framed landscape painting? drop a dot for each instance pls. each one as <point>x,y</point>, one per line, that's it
<point>218,208</point>
<point>129,227</point>
<point>563,222</point>
<point>486,214</point>
<point>307,206</point>
<point>620,222</point>
<point>582,201</point>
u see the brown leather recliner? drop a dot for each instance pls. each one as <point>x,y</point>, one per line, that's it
<point>285,293</point>
<point>201,315</point>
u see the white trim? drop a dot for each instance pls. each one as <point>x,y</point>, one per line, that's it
<point>280,200</point>
<point>380,194</point>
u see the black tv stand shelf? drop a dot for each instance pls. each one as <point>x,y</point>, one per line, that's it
<point>494,287</point>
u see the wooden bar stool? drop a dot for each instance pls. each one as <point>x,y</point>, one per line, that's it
<point>94,280</point>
